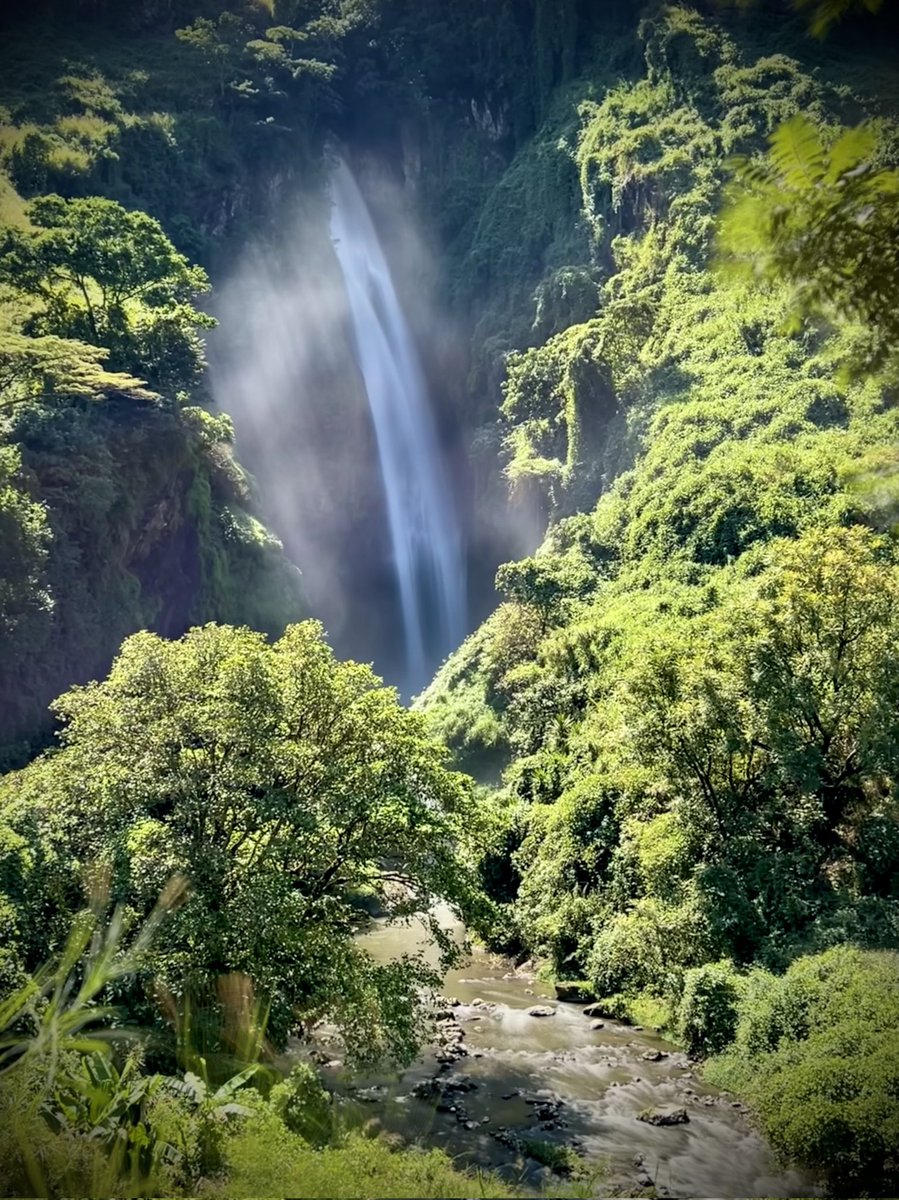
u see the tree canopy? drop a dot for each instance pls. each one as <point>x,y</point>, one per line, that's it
<point>279,782</point>
<point>102,274</point>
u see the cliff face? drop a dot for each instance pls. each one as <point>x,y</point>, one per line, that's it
<point>147,523</point>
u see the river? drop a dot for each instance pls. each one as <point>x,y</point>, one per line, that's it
<point>560,1080</point>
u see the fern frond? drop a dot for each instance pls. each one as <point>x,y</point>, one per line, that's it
<point>850,150</point>
<point>828,12</point>
<point>797,154</point>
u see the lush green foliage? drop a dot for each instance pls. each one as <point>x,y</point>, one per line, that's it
<point>103,275</point>
<point>826,221</point>
<point>278,781</point>
<point>817,1053</point>
<point>698,733</point>
<point>79,1115</point>
<point>707,1014</point>
<point>122,505</point>
<point>685,707</point>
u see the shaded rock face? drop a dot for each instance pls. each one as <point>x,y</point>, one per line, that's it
<point>146,532</point>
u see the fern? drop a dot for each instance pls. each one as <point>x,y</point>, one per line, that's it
<point>796,153</point>
<point>824,223</point>
<point>851,149</point>
<point>827,13</point>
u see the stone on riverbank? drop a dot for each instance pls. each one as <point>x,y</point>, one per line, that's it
<point>598,1010</point>
<point>575,993</point>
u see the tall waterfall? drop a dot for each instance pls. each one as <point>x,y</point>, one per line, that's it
<point>421,513</point>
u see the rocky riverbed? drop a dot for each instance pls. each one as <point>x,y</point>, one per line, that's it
<point>533,1087</point>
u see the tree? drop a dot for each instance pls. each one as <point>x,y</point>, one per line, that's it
<point>280,782</point>
<point>544,583</point>
<point>771,725</point>
<point>51,368</point>
<point>219,44</point>
<point>110,277</point>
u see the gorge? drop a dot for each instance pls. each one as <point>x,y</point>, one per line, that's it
<point>543,355</point>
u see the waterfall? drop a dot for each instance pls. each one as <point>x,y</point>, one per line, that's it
<point>421,514</point>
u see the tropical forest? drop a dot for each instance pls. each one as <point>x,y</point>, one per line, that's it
<point>449,598</point>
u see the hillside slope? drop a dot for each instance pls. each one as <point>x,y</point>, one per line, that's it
<point>693,763</point>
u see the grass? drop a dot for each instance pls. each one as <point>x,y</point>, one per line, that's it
<point>559,1158</point>
<point>12,206</point>
<point>266,1159</point>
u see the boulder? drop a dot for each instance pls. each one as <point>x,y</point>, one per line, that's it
<point>664,1116</point>
<point>541,1010</point>
<point>459,1083</point>
<point>653,1055</point>
<point>597,1010</point>
<point>575,993</point>
<point>597,1024</point>
<point>427,1089</point>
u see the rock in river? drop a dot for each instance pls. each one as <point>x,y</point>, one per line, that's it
<point>541,1010</point>
<point>597,1010</point>
<point>664,1116</point>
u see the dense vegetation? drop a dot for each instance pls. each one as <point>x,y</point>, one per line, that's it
<point>671,237</point>
<point>686,706</point>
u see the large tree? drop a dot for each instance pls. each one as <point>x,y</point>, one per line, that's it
<point>105,275</point>
<point>280,783</point>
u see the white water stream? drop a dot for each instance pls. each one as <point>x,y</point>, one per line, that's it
<point>595,1080</point>
<point>421,513</point>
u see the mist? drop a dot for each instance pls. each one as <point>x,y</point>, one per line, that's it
<point>371,512</point>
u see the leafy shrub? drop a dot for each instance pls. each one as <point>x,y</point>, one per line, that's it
<point>707,1014</point>
<point>303,1105</point>
<point>817,1054</point>
<point>648,947</point>
<point>265,1158</point>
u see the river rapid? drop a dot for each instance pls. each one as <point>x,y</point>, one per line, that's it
<point>500,1078</point>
